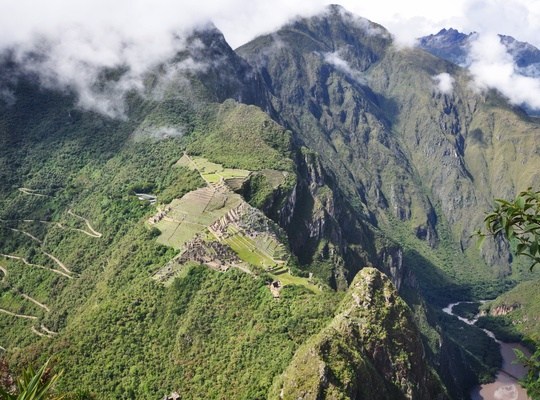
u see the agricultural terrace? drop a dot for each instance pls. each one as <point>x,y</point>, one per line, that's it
<point>263,250</point>
<point>211,172</point>
<point>183,218</point>
<point>200,210</point>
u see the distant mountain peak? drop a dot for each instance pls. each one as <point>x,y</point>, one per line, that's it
<point>347,17</point>
<point>337,8</point>
<point>451,32</point>
<point>454,46</point>
<point>353,43</point>
<point>449,44</point>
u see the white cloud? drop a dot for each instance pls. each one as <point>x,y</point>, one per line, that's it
<point>517,18</point>
<point>362,23</point>
<point>241,20</point>
<point>444,83</point>
<point>83,36</point>
<point>7,96</point>
<point>341,65</point>
<point>493,68</point>
<point>79,58</point>
<point>147,20</point>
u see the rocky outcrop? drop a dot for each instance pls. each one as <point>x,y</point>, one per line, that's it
<point>503,309</point>
<point>226,76</point>
<point>370,350</point>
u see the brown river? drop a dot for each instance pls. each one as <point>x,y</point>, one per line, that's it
<point>506,386</point>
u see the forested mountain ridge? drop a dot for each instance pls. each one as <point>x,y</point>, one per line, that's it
<point>142,251</point>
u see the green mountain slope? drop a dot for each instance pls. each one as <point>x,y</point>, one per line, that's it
<point>517,310</point>
<point>349,358</point>
<point>212,240</point>
<point>107,304</point>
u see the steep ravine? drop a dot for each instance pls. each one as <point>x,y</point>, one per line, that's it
<point>506,385</point>
<point>328,234</point>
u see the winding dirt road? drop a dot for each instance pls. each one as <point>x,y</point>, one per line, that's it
<point>58,262</point>
<point>64,271</point>
<point>34,330</point>
<point>31,192</point>
<point>27,234</point>
<point>94,232</point>
<point>24,260</point>
<point>37,303</point>
<point>48,331</point>
<point>17,315</point>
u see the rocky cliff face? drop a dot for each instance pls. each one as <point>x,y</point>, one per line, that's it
<point>339,116</point>
<point>503,309</point>
<point>448,44</point>
<point>206,70</point>
<point>317,91</point>
<point>399,171</point>
<point>325,231</point>
<point>370,350</point>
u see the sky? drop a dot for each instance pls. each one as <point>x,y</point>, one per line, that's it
<point>81,36</point>
<point>241,20</point>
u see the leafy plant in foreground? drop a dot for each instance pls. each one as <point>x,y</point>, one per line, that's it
<point>33,385</point>
<point>519,221</point>
<point>531,382</point>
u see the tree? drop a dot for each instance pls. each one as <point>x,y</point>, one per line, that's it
<point>531,382</point>
<point>519,222</point>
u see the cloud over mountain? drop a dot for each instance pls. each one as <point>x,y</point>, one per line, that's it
<point>69,44</point>
<point>493,68</point>
<point>444,83</point>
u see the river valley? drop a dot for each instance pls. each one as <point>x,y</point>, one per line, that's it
<point>506,385</point>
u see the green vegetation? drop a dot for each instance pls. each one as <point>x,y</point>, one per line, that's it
<point>242,137</point>
<point>170,338</point>
<point>502,327</point>
<point>519,222</point>
<point>208,334</point>
<point>521,305</point>
<point>531,380</point>
<point>360,179</point>
<point>34,385</point>
<point>261,187</point>
<point>372,328</point>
